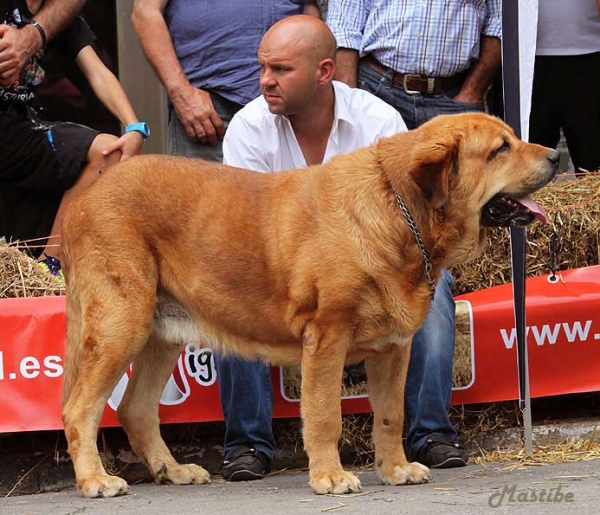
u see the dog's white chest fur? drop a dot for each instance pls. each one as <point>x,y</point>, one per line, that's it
<point>393,338</point>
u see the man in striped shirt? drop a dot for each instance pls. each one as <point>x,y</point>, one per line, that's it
<point>423,57</point>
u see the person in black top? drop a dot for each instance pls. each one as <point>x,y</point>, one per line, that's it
<point>44,165</point>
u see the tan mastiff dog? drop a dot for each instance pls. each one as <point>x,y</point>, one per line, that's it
<point>324,266</point>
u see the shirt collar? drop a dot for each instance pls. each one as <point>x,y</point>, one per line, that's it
<point>341,103</point>
<point>341,114</point>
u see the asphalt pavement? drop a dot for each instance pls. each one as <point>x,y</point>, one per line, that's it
<point>566,488</point>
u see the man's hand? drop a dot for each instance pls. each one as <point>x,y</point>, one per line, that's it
<point>16,47</point>
<point>196,112</point>
<point>469,97</point>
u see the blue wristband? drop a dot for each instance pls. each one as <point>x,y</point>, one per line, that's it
<point>141,127</point>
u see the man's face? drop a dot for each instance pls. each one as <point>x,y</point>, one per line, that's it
<point>287,76</point>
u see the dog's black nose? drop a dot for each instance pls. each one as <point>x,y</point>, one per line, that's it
<point>554,157</point>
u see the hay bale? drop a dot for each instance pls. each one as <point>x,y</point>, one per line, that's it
<point>573,208</point>
<point>462,364</point>
<point>354,381</point>
<point>21,276</point>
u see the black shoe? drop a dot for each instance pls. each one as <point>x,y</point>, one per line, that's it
<point>441,453</point>
<point>246,465</point>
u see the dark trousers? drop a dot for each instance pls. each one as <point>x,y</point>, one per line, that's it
<point>566,94</point>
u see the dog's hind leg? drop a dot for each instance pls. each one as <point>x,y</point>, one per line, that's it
<point>138,413</point>
<point>323,359</point>
<point>102,344</point>
<point>386,376</point>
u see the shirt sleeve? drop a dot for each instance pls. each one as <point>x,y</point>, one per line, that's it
<point>493,20</point>
<point>74,38</point>
<point>347,19</point>
<point>242,146</point>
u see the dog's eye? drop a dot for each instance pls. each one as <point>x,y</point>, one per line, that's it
<point>505,147</point>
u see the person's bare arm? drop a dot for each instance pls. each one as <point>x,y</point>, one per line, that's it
<point>347,66</point>
<point>598,7</point>
<point>17,46</point>
<point>109,91</point>
<point>312,9</point>
<point>193,106</point>
<point>482,71</point>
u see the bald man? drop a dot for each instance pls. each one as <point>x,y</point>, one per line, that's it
<point>204,53</point>
<point>305,118</point>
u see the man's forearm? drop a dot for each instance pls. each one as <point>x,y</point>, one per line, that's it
<point>347,66</point>
<point>157,44</point>
<point>55,15</point>
<point>483,70</point>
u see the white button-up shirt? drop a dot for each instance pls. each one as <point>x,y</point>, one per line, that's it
<point>261,141</point>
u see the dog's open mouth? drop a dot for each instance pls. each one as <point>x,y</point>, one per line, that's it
<point>505,211</point>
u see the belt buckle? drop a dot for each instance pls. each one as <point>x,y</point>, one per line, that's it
<point>430,84</point>
<point>405,79</point>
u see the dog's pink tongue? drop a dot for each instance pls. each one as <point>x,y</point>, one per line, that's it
<point>534,207</point>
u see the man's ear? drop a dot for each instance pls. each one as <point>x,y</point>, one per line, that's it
<point>325,71</point>
<point>434,162</point>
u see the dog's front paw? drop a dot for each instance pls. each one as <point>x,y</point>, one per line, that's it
<point>182,474</point>
<point>337,482</point>
<point>103,486</point>
<point>409,474</point>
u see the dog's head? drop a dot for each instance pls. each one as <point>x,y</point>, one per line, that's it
<point>472,172</point>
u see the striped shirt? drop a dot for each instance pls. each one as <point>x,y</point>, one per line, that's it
<point>436,38</point>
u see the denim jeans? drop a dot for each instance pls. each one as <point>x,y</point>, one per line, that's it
<point>247,402</point>
<point>429,378</point>
<point>245,386</point>
<point>415,109</point>
<point>426,401</point>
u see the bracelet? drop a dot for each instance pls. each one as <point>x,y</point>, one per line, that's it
<point>141,127</point>
<point>39,28</point>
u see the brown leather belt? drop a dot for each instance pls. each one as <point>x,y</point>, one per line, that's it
<point>415,83</point>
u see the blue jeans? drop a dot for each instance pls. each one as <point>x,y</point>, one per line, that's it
<point>429,378</point>
<point>415,109</point>
<point>426,401</point>
<point>245,386</point>
<point>247,402</point>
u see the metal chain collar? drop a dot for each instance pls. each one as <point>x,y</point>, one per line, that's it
<point>415,230</point>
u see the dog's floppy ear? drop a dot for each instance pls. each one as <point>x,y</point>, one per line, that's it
<point>433,165</point>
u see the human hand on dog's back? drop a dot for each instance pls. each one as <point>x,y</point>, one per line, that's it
<point>129,145</point>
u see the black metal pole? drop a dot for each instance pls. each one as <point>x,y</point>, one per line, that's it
<point>512,114</point>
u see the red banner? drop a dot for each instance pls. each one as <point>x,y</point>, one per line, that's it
<point>563,336</point>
